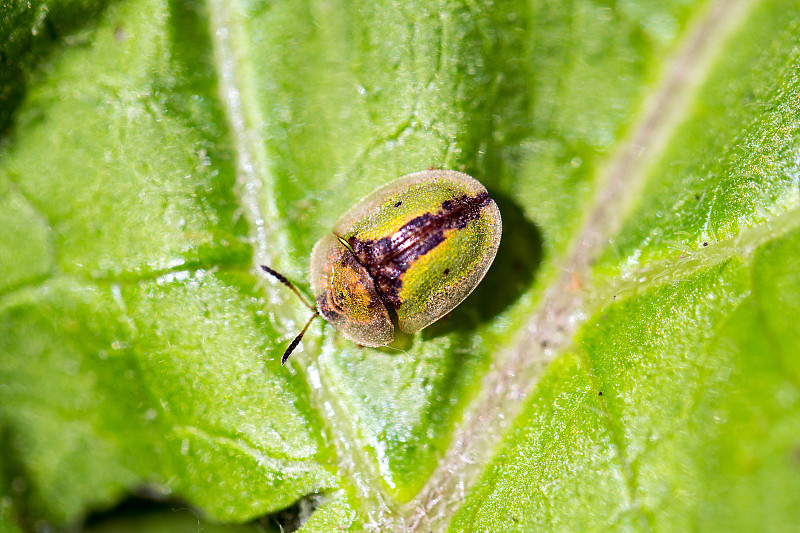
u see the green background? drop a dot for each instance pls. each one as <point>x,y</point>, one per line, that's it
<point>152,154</point>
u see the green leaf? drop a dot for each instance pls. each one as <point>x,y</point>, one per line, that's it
<point>629,362</point>
<point>676,407</point>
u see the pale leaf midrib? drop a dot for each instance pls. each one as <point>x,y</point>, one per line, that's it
<point>563,308</point>
<point>255,191</point>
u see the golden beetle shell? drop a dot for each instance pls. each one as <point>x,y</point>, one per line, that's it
<point>419,244</point>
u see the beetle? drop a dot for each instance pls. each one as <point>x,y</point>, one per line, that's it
<point>411,250</point>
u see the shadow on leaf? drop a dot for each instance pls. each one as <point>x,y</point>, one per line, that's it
<point>146,514</point>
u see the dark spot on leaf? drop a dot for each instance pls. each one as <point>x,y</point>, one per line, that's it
<point>119,33</point>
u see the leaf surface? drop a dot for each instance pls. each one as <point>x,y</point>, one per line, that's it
<point>629,362</point>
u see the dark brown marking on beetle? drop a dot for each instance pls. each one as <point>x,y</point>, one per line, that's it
<point>398,204</point>
<point>446,271</point>
<point>388,258</point>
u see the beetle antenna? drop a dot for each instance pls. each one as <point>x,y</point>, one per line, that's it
<point>280,277</point>
<point>297,339</point>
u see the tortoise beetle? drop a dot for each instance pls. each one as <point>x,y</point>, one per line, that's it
<point>416,246</point>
